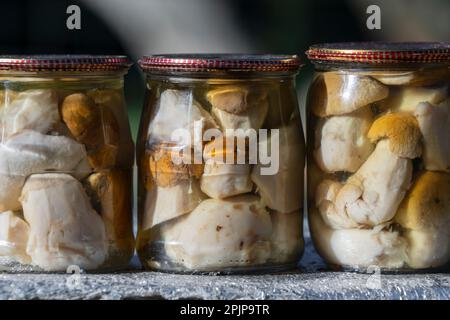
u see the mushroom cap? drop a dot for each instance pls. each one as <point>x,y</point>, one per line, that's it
<point>403,132</point>
<point>167,172</point>
<point>427,203</point>
<point>235,99</point>
<point>333,93</point>
<point>82,116</point>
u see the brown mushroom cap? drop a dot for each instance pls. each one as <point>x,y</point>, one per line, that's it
<point>403,133</point>
<point>428,202</point>
<point>82,117</point>
<point>165,171</point>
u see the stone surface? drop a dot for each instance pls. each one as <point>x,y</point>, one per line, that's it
<point>306,283</point>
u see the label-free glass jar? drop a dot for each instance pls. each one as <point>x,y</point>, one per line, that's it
<point>66,156</point>
<point>221,157</point>
<point>379,155</point>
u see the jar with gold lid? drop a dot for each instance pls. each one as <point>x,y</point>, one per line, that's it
<point>220,154</point>
<point>378,131</point>
<point>66,156</point>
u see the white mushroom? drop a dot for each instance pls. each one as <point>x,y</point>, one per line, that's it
<point>434,123</point>
<point>32,152</point>
<point>165,203</point>
<point>220,234</point>
<point>325,202</point>
<point>32,109</point>
<point>223,176</point>
<point>423,77</point>
<point>425,216</point>
<point>14,236</point>
<point>341,141</point>
<point>357,248</point>
<point>406,99</point>
<point>177,109</point>
<point>236,107</point>
<point>225,180</point>
<point>287,236</point>
<point>372,195</point>
<point>282,190</point>
<point>334,93</point>
<point>64,229</point>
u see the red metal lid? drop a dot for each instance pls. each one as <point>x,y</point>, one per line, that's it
<point>84,63</point>
<point>220,62</point>
<point>380,52</point>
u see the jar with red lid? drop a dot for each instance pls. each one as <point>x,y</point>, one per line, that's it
<point>220,156</point>
<point>66,158</point>
<point>378,130</point>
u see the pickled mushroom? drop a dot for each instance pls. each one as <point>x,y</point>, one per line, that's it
<point>64,228</point>
<point>32,152</point>
<point>434,123</point>
<point>236,107</point>
<point>14,236</point>
<point>358,247</point>
<point>30,110</point>
<point>341,141</point>
<point>283,190</point>
<point>425,216</point>
<point>337,94</point>
<point>166,203</point>
<point>234,232</point>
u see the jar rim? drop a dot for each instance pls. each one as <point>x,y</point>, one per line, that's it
<point>64,62</point>
<point>210,63</point>
<point>380,53</point>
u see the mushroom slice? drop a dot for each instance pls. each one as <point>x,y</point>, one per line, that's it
<point>220,234</point>
<point>111,194</point>
<point>178,110</point>
<point>333,93</point>
<point>236,107</point>
<point>325,202</point>
<point>32,109</point>
<point>357,248</point>
<point>424,77</point>
<point>32,152</point>
<point>406,99</point>
<point>281,189</point>
<point>341,141</point>
<point>225,180</point>
<point>434,123</point>
<point>425,216</point>
<point>64,228</point>
<point>14,236</point>
<point>168,165</point>
<point>287,236</point>
<point>222,176</point>
<point>165,203</point>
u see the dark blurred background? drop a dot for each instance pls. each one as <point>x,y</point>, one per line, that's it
<point>137,27</point>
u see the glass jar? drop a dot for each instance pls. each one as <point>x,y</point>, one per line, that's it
<point>220,154</point>
<point>379,155</point>
<point>66,158</point>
